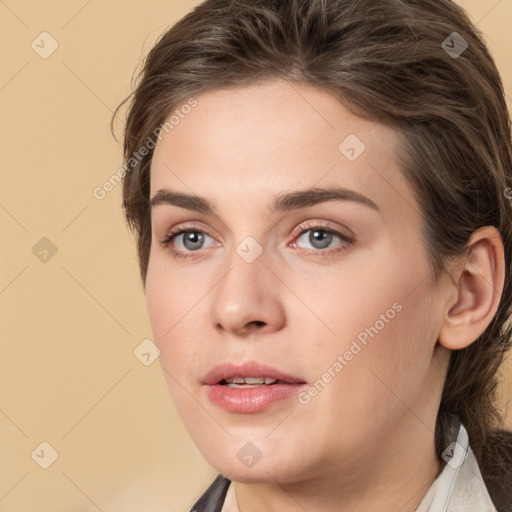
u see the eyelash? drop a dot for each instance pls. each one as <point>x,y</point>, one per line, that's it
<point>348,240</point>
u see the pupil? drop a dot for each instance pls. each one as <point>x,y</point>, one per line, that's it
<point>193,240</point>
<point>323,237</point>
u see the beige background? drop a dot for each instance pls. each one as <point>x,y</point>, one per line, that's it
<point>69,325</point>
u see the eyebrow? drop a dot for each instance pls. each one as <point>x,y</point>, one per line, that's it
<point>282,203</point>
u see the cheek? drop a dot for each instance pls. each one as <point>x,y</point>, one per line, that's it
<point>378,366</point>
<point>159,304</point>
<point>170,295</point>
<point>394,362</point>
<point>173,334</point>
<point>383,325</point>
<point>169,305</point>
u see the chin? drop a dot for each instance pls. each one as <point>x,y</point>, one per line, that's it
<point>271,466</point>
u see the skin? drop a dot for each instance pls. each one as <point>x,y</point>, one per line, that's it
<point>366,441</point>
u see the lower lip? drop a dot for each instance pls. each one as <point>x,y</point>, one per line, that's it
<point>250,400</point>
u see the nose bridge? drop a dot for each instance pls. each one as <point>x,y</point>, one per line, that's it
<point>248,295</point>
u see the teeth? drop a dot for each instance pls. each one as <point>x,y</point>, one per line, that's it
<point>254,380</point>
<point>251,380</point>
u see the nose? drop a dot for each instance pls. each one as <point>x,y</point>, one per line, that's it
<point>248,299</point>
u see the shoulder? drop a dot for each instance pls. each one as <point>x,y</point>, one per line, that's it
<point>213,498</point>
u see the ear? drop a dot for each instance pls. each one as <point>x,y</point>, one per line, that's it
<point>479,280</point>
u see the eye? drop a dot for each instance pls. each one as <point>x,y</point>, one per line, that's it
<point>186,240</point>
<point>321,239</point>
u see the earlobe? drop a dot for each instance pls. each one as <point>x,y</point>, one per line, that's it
<point>479,282</point>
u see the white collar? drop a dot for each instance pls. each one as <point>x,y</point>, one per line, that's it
<point>460,486</point>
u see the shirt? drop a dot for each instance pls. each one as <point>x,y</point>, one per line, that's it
<point>459,487</point>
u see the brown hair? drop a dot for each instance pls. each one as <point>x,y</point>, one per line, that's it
<point>384,61</point>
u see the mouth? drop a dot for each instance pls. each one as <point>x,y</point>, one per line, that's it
<point>249,388</point>
<point>250,382</point>
<point>248,374</point>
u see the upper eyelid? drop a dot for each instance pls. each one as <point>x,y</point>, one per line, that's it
<point>323,225</point>
<point>298,230</point>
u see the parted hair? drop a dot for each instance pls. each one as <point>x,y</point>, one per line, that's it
<point>392,61</point>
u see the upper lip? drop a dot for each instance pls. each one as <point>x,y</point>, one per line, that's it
<point>249,369</point>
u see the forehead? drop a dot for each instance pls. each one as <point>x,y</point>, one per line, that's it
<point>256,141</point>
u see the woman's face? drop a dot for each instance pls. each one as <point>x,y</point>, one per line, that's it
<point>309,261</point>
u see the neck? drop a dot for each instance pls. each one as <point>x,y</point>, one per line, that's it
<point>394,476</point>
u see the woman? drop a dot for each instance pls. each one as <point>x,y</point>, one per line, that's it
<point>318,190</point>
